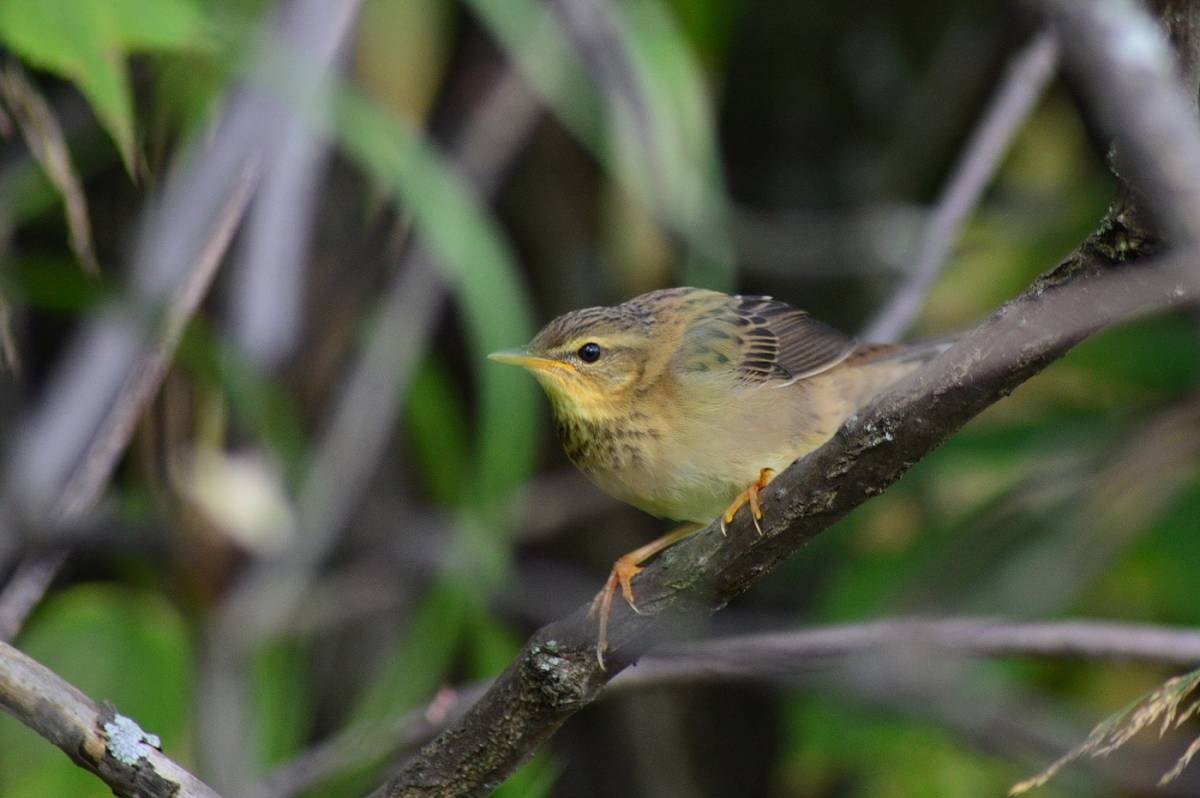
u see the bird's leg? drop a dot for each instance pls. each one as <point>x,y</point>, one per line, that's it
<point>749,496</point>
<point>623,571</point>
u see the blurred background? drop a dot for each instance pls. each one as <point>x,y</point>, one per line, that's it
<point>332,511</point>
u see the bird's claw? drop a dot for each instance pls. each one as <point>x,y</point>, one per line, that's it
<point>622,574</point>
<point>749,496</point>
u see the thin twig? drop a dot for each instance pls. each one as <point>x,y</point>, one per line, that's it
<point>1029,72</point>
<point>87,482</point>
<point>775,654</point>
<point>96,738</point>
<point>268,287</point>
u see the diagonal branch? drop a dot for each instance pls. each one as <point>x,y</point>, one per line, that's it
<point>95,737</point>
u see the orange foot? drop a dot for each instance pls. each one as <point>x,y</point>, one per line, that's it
<point>749,496</point>
<point>623,572</point>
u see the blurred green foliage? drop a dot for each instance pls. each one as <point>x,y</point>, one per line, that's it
<point>89,41</point>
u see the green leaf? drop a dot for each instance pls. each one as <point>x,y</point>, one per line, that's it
<point>475,258</point>
<point>436,423</point>
<point>87,42</point>
<point>144,25</point>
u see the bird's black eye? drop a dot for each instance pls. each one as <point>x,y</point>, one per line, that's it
<point>589,352</point>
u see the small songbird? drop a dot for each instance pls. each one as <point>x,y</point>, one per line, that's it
<point>685,402</point>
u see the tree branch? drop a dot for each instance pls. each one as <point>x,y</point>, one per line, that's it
<point>762,656</point>
<point>96,738</point>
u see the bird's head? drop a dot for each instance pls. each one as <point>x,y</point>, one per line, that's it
<point>590,361</point>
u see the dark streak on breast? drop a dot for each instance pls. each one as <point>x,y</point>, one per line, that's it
<point>604,446</point>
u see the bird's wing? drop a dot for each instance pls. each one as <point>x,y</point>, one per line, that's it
<point>761,340</point>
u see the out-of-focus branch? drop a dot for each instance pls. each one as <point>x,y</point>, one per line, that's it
<point>10,356</point>
<point>268,283</point>
<point>1029,71</point>
<point>95,737</point>
<point>593,30</point>
<point>24,590</point>
<point>143,381</point>
<point>779,654</point>
<point>66,450</point>
<point>1001,720</point>
<point>62,459</point>
<point>357,430</point>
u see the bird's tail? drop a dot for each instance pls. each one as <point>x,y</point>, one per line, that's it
<point>920,352</point>
<point>873,367</point>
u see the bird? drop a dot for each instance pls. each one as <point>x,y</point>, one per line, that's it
<point>685,403</point>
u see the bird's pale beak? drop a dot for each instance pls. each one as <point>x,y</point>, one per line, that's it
<point>521,357</point>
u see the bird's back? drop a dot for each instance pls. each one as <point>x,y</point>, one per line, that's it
<point>753,384</point>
